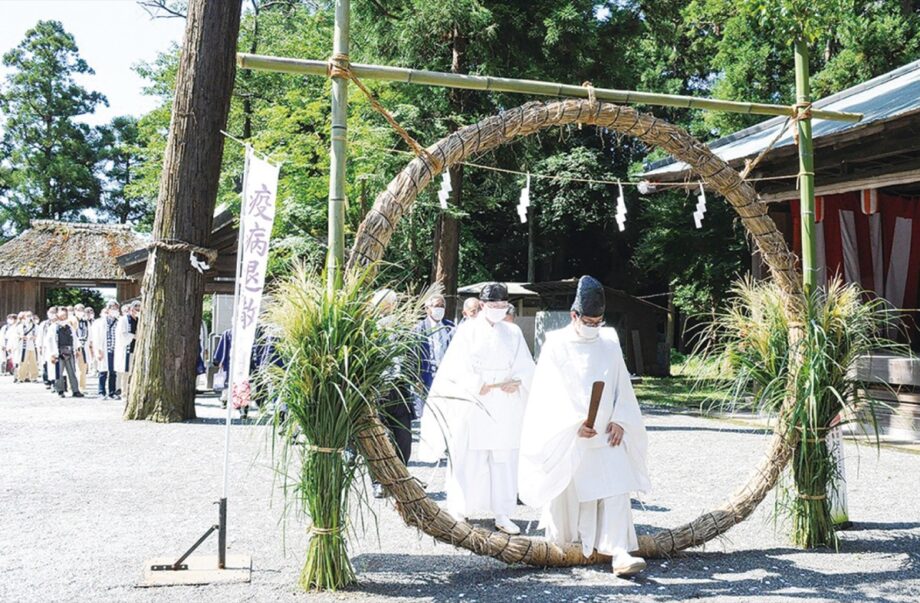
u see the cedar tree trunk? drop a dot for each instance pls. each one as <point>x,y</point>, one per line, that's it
<point>163,376</point>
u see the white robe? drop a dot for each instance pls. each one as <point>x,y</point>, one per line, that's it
<point>49,346</point>
<point>478,429</point>
<point>9,342</point>
<point>562,472</point>
<point>97,335</point>
<point>123,338</point>
<point>20,342</point>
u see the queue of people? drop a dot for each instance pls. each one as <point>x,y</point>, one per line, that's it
<point>564,435</point>
<point>70,346</point>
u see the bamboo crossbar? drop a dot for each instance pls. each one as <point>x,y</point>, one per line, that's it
<point>521,86</point>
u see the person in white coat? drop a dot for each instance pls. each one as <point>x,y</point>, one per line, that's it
<point>89,318</point>
<point>125,333</point>
<point>27,366</point>
<point>8,341</point>
<point>45,331</point>
<point>102,338</point>
<point>477,403</point>
<point>582,475</point>
<point>6,338</point>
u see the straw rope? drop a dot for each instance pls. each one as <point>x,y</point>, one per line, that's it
<point>800,111</point>
<point>316,530</point>
<point>175,245</point>
<point>391,204</point>
<point>339,66</point>
<point>313,448</point>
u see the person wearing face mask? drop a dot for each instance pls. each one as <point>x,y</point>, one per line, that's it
<point>89,318</point>
<point>434,334</point>
<point>582,475</point>
<point>61,349</point>
<point>125,333</point>
<point>78,322</point>
<point>477,402</point>
<point>27,370</point>
<point>46,330</point>
<point>103,347</point>
<point>6,350</point>
<point>470,309</point>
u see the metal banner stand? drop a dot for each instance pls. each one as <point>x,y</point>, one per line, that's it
<point>203,569</point>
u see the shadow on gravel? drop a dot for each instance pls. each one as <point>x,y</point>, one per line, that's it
<point>787,573</point>
<point>752,430</point>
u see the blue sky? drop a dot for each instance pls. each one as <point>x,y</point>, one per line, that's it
<point>112,35</point>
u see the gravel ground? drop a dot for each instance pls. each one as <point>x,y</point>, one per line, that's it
<point>86,498</point>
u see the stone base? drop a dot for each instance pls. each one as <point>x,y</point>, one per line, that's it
<point>202,569</point>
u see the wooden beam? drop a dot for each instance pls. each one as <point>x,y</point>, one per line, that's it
<point>877,181</point>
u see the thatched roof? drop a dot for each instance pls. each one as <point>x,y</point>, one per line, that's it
<point>69,251</point>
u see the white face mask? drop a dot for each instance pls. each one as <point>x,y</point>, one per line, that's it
<point>586,332</point>
<point>495,314</point>
<point>437,314</point>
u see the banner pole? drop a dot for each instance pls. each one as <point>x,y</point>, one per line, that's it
<point>222,531</point>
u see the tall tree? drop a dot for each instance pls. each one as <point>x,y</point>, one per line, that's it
<point>163,377</point>
<point>50,157</point>
<point>120,154</point>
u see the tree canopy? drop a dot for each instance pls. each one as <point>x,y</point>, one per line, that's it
<point>50,157</point>
<point>719,48</point>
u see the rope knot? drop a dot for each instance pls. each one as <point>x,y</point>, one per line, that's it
<point>592,97</point>
<point>801,110</point>
<point>339,66</point>
<point>210,255</point>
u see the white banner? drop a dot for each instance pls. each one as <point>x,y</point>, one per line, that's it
<point>257,215</point>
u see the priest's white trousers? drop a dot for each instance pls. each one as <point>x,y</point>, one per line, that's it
<point>604,524</point>
<point>482,481</point>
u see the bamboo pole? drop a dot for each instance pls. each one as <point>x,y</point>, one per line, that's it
<point>335,259</point>
<point>521,86</point>
<point>806,169</point>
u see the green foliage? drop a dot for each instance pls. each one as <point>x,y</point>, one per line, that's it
<point>339,356</point>
<point>49,158</point>
<point>682,393</point>
<point>735,50</point>
<point>120,152</point>
<point>73,296</point>
<point>700,265</point>
<point>746,47</point>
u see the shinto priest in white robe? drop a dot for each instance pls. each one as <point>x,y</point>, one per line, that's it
<point>480,432</point>
<point>583,484</point>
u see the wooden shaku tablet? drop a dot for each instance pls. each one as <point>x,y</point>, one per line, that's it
<point>597,389</point>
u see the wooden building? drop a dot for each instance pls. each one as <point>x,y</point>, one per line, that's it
<point>867,187</point>
<point>54,255</point>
